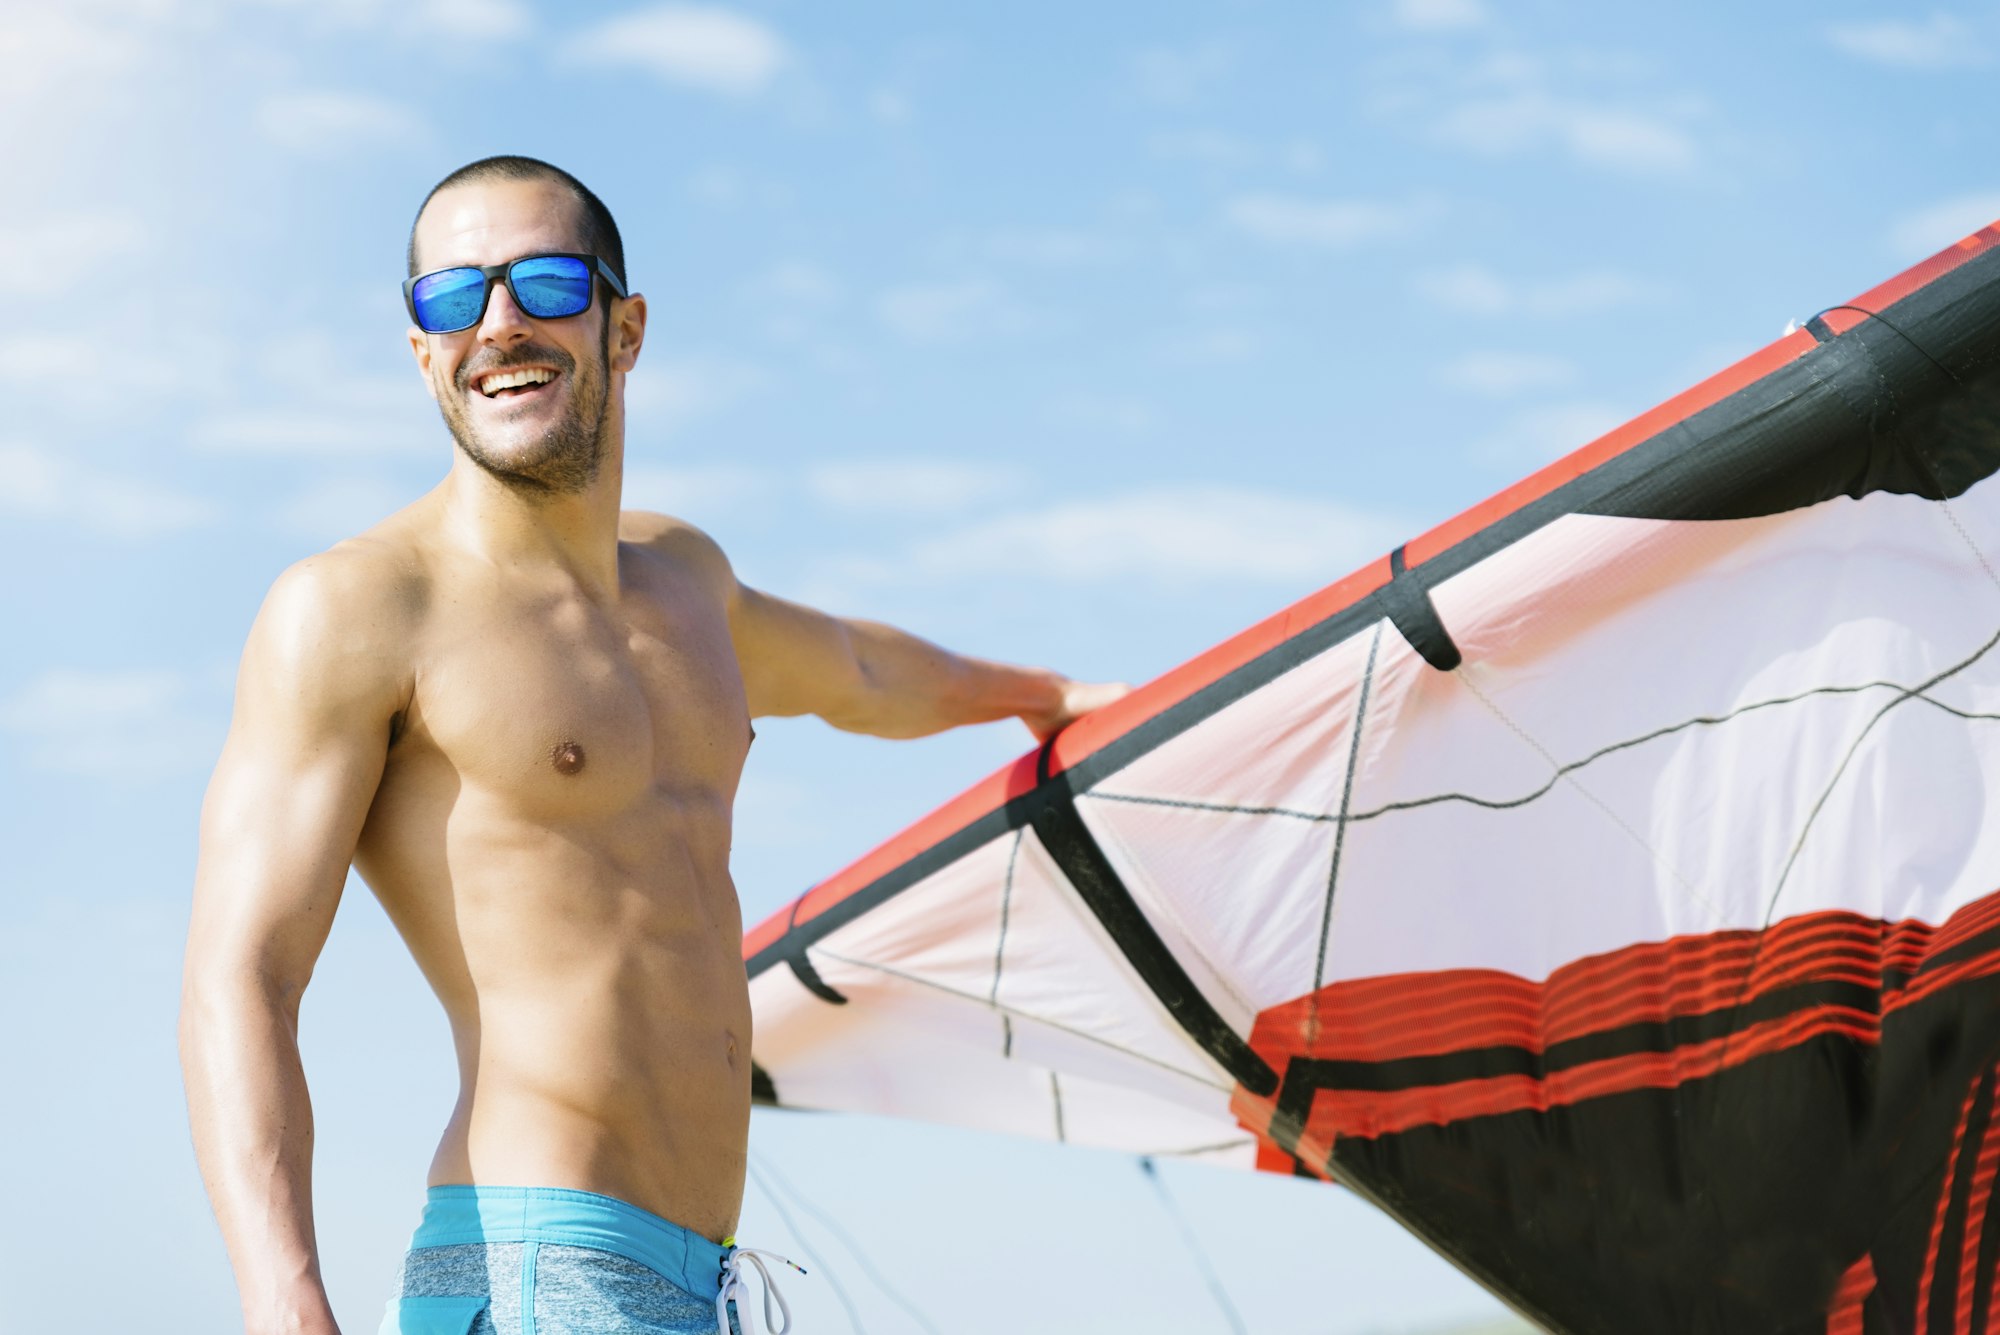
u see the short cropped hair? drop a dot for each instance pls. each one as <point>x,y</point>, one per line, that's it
<point>600,233</point>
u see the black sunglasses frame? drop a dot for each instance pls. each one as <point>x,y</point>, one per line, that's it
<point>504,272</point>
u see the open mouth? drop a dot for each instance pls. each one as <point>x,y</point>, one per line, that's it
<point>517,382</point>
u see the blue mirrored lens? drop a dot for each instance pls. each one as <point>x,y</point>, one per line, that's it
<point>549,287</point>
<point>449,299</point>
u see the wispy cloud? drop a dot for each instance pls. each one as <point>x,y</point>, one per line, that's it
<point>327,432</point>
<point>1593,133</point>
<point>704,47</point>
<point>50,486</point>
<point>1179,74</point>
<point>1160,535</point>
<point>1941,41</point>
<point>111,726</point>
<point>699,491</point>
<point>338,507</point>
<point>665,395</point>
<point>1440,15</point>
<point>950,311</point>
<point>331,121</point>
<point>1501,374</point>
<point>1335,224</point>
<point>1931,228</point>
<point>1544,434</point>
<point>1221,151</point>
<point>909,486</point>
<point>1584,106</point>
<point>67,250</point>
<point>1472,289</point>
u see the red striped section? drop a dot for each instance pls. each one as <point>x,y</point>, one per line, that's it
<point>1943,1207</point>
<point>1093,732</point>
<point>1975,1221</point>
<point>1403,1016</point>
<point>1844,1316</point>
<point>1426,1014</point>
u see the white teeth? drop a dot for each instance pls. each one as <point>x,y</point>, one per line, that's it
<point>492,384</point>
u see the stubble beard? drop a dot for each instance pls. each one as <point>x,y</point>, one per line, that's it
<point>567,458</point>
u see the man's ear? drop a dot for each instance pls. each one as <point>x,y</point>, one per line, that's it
<point>420,348</point>
<point>628,332</point>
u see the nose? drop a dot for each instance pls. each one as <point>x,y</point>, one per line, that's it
<point>503,324</point>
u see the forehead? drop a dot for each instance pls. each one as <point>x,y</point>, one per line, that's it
<point>485,222</point>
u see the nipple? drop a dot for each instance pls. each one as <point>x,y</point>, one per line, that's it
<point>567,757</point>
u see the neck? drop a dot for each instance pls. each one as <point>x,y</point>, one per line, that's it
<point>575,532</point>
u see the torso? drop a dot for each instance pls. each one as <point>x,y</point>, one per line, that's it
<point>551,836</point>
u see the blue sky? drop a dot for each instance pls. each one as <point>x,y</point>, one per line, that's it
<point>1070,335</point>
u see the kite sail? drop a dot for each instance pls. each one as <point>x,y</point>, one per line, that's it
<point>1605,883</point>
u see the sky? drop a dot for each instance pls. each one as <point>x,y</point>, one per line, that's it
<point>1079,336</point>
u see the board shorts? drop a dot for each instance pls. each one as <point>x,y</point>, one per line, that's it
<point>551,1261</point>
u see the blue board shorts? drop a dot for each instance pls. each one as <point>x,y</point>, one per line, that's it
<point>550,1261</point>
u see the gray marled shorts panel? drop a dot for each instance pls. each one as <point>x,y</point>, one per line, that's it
<point>544,1288</point>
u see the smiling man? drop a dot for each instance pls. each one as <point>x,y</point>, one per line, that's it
<point>521,714</point>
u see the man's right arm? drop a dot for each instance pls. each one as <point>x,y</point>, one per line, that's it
<point>320,682</point>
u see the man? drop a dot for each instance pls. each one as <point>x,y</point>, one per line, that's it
<point>521,715</point>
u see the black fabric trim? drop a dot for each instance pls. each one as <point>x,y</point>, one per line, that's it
<point>808,976</point>
<point>1082,862</point>
<point>762,1090</point>
<point>1406,602</point>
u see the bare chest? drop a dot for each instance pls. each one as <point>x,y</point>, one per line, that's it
<point>563,708</point>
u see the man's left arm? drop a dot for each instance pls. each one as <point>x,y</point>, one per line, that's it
<point>863,676</point>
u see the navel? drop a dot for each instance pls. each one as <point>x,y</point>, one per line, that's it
<point>567,757</point>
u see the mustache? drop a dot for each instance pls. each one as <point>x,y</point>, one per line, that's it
<point>526,355</point>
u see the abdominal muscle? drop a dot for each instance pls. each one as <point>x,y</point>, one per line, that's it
<point>597,1001</point>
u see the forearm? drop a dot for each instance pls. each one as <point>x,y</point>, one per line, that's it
<point>912,688</point>
<point>253,1136</point>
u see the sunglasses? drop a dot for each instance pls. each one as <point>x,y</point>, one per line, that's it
<point>547,287</point>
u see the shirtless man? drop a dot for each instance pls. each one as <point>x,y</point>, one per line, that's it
<point>521,715</point>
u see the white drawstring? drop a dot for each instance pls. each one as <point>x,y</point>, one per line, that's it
<point>734,1289</point>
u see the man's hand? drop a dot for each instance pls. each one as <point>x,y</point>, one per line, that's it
<point>1076,698</point>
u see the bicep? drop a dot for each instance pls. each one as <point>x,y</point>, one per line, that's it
<point>307,743</point>
<point>795,659</point>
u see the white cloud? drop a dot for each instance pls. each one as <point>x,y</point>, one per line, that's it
<point>1927,230</point>
<point>696,492</point>
<point>339,507</point>
<point>795,283</point>
<point>889,106</point>
<point>46,48</point>
<point>329,121</point>
<point>1184,73</point>
<point>698,46</point>
<point>1440,15</point>
<point>1939,42</point>
<point>316,431</point>
<point>43,484</point>
<point>480,20</point>
<point>1542,435</point>
<point>1595,134</point>
<point>1332,223</point>
<point>1219,346</point>
<point>909,486</point>
<point>665,395</point>
<point>67,251</point>
<point>1221,151</point>
<point>1501,374</point>
<point>1471,289</point>
<point>1162,535</point>
<point>948,312</point>
<point>118,726</point>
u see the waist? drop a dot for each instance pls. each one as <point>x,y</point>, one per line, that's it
<point>457,1215</point>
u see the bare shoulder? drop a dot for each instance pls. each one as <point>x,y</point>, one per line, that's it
<point>679,542</point>
<point>341,622</point>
